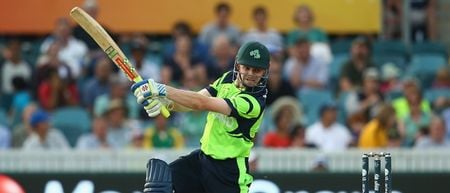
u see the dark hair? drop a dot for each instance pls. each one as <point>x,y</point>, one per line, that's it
<point>296,129</point>
<point>259,10</point>
<point>223,6</point>
<point>19,83</point>
<point>182,27</point>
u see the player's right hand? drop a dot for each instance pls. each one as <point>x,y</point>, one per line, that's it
<point>152,107</point>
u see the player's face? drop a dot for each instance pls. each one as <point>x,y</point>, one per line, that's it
<point>250,76</point>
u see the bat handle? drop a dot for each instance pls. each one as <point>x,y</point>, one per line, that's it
<point>165,112</point>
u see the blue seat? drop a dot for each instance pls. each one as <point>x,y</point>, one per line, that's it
<point>342,112</point>
<point>397,48</point>
<point>432,94</point>
<point>3,117</point>
<point>312,101</point>
<point>429,48</point>
<point>335,70</point>
<point>341,46</point>
<point>424,67</point>
<point>72,122</point>
<point>398,61</point>
<point>337,63</point>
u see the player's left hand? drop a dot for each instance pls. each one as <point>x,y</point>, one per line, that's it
<point>148,89</point>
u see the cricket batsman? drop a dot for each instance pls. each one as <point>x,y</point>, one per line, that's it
<point>236,103</point>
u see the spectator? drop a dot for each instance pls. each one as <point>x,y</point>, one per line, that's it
<point>298,137</point>
<point>422,18</point>
<point>393,13</point>
<point>436,137</point>
<point>446,117</point>
<point>376,133</point>
<point>163,136</point>
<point>97,139</point>
<point>285,114</point>
<point>367,100</point>
<point>222,57</point>
<point>21,99</point>
<point>414,122</point>
<point>356,123</point>
<point>442,80</point>
<point>49,62</point>
<point>180,29</point>
<point>277,86</point>
<point>54,92</point>
<point>119,133</point>
<point>304,19</point>
<point>327,134</point>
<point>182,60</point>
<point>72,51</point>
<point>99,84</point>
<point>137,139</point>
<point>191,123</point>
<point>261,32</point>
<point>351,75</point>
<point>44,137</point>
<point>412,95</point>
<point>390,79</point>
<point>14,66</point>
<point>143,65</point>
<point>220,26</point>
<point>21,132</point>
<point>5,137</point>
<point>118,90</point>
<point>304,70</point>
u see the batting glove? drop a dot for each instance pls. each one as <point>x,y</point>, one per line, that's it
<point>148,89</point>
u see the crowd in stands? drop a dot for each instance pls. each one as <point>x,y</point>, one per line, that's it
<point>330,94</point>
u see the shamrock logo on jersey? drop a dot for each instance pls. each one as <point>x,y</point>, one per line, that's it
<point>255,54</point>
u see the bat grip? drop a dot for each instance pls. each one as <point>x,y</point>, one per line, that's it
<point>165,112</point>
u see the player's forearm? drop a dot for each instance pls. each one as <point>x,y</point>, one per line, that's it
<point>180,108</point>
<point>184,99</point>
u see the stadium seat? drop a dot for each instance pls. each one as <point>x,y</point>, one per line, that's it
<point>337,63</point>
<point>380,60</point>
<point>342,113</point>
<point>341,46</point>
<point>312,100</point>
<point>429,48</point>
<point>72,122</point>
<point>396,48</point>
<point>424,67</point>
<point>335,70</point>
<point>432,94</point>
<point>3,117</point>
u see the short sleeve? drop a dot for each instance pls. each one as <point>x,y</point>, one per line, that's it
<point>214,87</point>
<point>244,106</point>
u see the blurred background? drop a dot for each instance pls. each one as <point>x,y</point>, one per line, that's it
<point>346,77</point>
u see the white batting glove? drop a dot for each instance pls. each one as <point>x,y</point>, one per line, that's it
<point>153,107</point>
<point>148,89</point>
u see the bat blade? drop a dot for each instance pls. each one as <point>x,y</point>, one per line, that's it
<point>107,44</point>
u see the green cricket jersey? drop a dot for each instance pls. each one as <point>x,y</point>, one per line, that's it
<point>232,136</point>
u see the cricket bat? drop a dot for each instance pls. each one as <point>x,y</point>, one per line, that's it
<point>107,44</point>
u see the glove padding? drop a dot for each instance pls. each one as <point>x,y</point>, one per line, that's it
<point>147,93</point>
<point>152,107</point>
<point>148,89</point>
